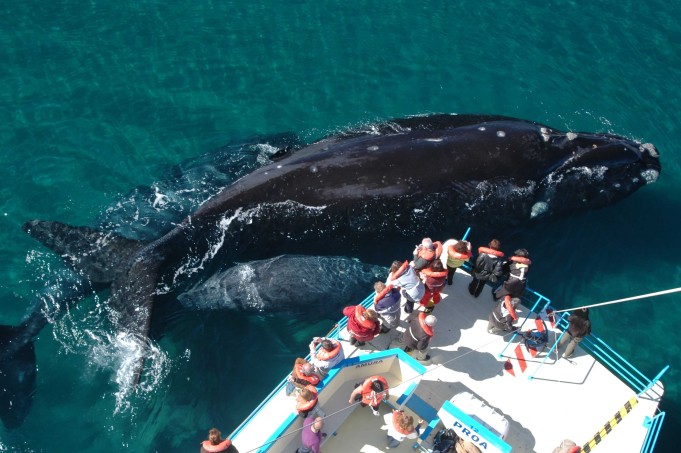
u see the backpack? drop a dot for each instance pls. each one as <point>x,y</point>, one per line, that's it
<point>444,441</point>
<point>536,339</point>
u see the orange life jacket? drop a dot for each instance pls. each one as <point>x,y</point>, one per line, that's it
<point>521,260</point>
<point>361,320</point>
<point>426,328</point>
<point>509,307</point>
<point>400,271</point>
<point>325,355</point>
<point>397,426</point>
<point>302,406</point>
<point>490,251</point>
<point>382,294</point>
<point>459,256</point>
<point>369,395</point>
<point>222,446</point>
<point>312,379</point>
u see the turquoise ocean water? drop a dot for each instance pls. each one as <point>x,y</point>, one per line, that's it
<point>98,98</point>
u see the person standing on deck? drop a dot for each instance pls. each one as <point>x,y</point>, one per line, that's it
<point>400,427</point>
<point>434,278</point>
<point>311,435</point>
<point>417,336</point>
<point>403,276</point>
<point>456,253</point>
<point>516,269</point>
<point>387,305</point>
<point>363,324</point>
<point>425,253</point>
<point>487,267</point>
<point>370,393</point>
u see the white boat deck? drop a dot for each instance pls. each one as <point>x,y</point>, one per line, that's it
<point>570,399</point>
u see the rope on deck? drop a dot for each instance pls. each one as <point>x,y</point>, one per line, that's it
<point>619,415</point>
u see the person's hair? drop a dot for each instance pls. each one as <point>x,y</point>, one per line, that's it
<point>395,266</point>
<point>494,244</point>
<point>523,253</point>
<point>377,386</point>
<point>306,394</point>
<point>378,287</point>
<point>327,344</point>
<point>307,369</point>
<point>371,315</point>
<point>214,436</point>
<point>437,266</point>
<point>406,422</point>
<point>461,247</point>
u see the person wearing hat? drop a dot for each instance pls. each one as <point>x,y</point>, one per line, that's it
<point>417,336</point>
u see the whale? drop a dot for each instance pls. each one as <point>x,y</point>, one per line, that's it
<point>314,285</point>
<point>396,181</point>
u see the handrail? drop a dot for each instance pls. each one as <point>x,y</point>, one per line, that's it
<point>654,425</point>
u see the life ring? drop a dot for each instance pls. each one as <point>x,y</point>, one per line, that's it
<point>490,251</point>
<point>426,328</point>
<point>222,446</point>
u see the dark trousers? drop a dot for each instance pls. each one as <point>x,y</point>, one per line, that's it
<point>476,286</point>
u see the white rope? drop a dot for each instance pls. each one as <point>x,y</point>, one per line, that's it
<point>643,296</point>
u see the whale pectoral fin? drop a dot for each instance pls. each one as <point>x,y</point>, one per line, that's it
<point>17,377</point>
<point>96,254</point>
<point>132,298</point>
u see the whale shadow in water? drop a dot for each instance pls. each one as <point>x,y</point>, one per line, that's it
<point>394,181</point>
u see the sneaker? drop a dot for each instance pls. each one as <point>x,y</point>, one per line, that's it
<point>376,413</point>
<point>425,359</point>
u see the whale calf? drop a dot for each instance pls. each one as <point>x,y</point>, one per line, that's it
<point>316,285</point>
<point>352,193</point>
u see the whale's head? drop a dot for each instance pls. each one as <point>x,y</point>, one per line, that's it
<point>595,170</point>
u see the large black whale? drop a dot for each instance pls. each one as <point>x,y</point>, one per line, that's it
<point>397,180</point>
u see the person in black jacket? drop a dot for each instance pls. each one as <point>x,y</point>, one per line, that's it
<point>418,334</point>
<point>580,327</point>
<point>487,267</point>
<point>516,269</point>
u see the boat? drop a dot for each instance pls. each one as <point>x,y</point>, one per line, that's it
<point>501,393</point>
